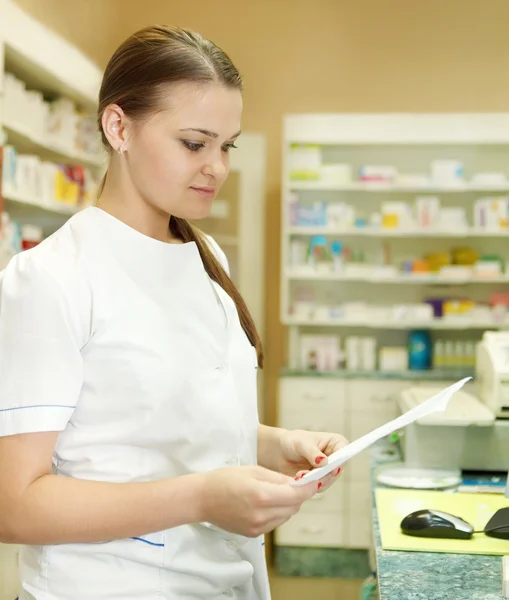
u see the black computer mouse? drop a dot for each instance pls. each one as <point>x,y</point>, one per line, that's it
<point>498,525</point>
<point>436,524</point>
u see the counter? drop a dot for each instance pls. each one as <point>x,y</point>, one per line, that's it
<point>431,576</point>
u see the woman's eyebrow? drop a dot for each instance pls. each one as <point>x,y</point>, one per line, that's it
<point>209,134</point>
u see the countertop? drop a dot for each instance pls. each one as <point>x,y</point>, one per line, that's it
<point>430,576</point>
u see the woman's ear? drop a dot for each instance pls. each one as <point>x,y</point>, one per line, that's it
<point>115,125</point>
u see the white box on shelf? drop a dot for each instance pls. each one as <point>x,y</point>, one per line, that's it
<point>447,172</point>
<point>428,211</point>
<point>336,174</point>
<point>320,352</point>
<point>393,359</point>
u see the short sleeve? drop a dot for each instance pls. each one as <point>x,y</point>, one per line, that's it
<point>219,254</point>
<point>40,356</point>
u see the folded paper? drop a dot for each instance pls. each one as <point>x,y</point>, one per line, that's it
<point>437,403</point>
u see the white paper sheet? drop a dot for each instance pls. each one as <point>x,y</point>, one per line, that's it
<point>437,403</point>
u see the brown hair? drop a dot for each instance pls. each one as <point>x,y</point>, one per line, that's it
<point>136,78</point>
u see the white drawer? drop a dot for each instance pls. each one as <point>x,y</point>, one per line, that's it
<point>304,529</point>
<point>9,582</point>
<point>375,395</point>
<point>359,499</point>
<point>309,393</point>
<point>360,532</point>
<point>360,423</point>
<point>358,468</point>
<point>313,420</point>
<point>333,500</point>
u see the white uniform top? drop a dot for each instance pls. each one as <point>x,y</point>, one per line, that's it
<point>125,346</point>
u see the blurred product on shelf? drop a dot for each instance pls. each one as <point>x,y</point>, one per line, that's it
<point>447,172</point>
<point>455,312</point>
<point>419,351</point>
<point>379,174</point>
<point>448,354</point>
<point>393,359</point>
<point>320,353</point>
<point>336,174</point>
<point>15,238</point>
<point>50,185</point>
<point>396,215</point>
<point>319,255</point>
<point>324,353</point>
<point>427,211</point>
<point>360,353</point>
<point>58,122</point>
<point>307,164</point>
<point>10,239</point>
<point>31,236</point>
<point>490,213</point>
<point>309,215</point>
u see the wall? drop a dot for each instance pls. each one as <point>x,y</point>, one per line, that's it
<point>323,56</point>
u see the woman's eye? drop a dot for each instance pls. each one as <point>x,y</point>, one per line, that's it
<point>193,146</point>
<point>228,147</point>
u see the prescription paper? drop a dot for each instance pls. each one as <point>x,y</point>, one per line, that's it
<point>437,403</point>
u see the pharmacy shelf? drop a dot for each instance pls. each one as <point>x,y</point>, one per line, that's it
<point>397,129</point>
<point>361,186</point>
<point>397,279</point>
<point>452,374</point>
<point>436,324</point>
<point>25,142</point>
<point>24,201</point>
<point>396,233</point>
<point>44,60</point>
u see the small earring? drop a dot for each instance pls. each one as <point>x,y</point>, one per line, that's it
<point>121,150</point>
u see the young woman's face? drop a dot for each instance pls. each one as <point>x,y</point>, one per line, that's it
<point>179,158</point>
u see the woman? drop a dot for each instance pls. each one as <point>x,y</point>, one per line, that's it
<point>132,462</point>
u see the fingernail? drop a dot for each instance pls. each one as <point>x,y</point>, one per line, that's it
<point>319,459</point>
<point>299,476</point>
<point>319,485</point>
<point>338,471</point>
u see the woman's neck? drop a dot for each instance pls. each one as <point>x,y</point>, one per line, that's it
<point>128,206</point>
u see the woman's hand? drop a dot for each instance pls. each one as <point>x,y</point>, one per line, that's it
<point>302,451</point>
<point>250,501</point>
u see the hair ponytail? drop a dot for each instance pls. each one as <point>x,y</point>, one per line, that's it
<point>188,233</point>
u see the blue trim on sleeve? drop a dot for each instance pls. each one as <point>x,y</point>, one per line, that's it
<point>37,406</point>
<point>148,542</point>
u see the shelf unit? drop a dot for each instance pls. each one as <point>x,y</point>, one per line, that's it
<point>395,188</point>
<point>470,232</point>
<point>49,64</point>
<point>410,142</point>
<point>45,63</point>
<point>29,143</point>
<point>436,324</point>
<point>308,275</point>
<point>355,402</point>
<point>33,207</point>
<point>431,375</point>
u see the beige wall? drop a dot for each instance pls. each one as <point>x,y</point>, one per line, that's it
<point>327,55</point>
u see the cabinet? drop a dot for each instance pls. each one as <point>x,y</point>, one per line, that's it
<point>342,516</point>
<point>9,582</point>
